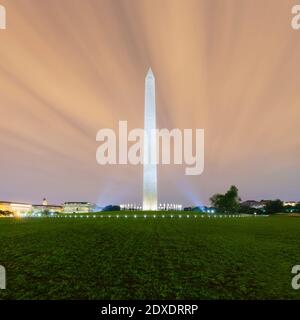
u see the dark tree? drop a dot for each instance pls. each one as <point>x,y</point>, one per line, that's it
<point>289,209</point>
<point>228,202</point>
<point>197,209</point>
<point>111,208</point>
<point>249,210</point>
<point>5,213</point>
<point>296,208</point>
<point>274,206</point>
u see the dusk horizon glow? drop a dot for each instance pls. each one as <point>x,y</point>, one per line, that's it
<point>69,68</point>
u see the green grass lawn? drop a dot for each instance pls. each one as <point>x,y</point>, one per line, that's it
<point>240,258</point>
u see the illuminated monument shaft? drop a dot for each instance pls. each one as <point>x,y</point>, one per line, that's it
<point>150,170</point>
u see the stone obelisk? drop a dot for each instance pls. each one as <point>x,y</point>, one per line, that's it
<point>150,166</point>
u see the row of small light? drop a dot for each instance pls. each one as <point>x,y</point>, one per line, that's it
<point>210,211</point>
<point>147,216</point>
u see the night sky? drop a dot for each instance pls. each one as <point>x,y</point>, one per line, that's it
<point>71,67</point>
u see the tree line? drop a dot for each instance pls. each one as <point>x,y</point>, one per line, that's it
<point>230,202</point>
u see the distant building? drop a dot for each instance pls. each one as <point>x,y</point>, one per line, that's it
<point>46,208</point>
<point>16,208</point>
<point>264,202</point>
<point>253,204</point>
<point>79,207</point>
<point>290,203</point>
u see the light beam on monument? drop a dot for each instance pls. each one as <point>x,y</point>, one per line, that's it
<point>150,168</point>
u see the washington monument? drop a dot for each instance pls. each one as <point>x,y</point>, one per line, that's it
<point>150,170</point>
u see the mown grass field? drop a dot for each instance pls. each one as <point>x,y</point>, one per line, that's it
<point>246,258</point>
